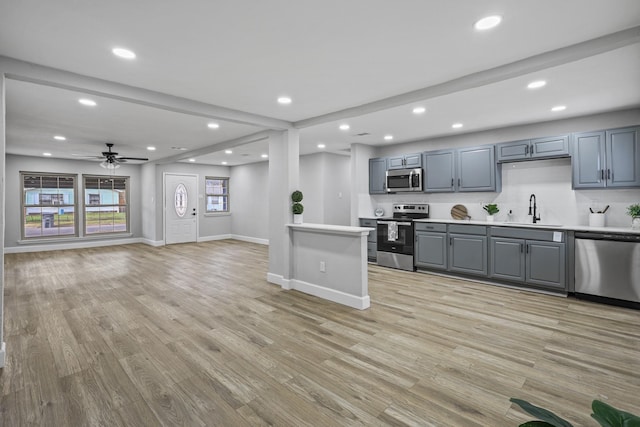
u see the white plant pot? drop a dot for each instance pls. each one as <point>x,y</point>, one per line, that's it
<point>489,218</point>
<point>297,218</point>
<point>635,223</point>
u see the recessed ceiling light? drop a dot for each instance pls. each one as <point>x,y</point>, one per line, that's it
<point>388,137</point>
<point>59,138</point>
<point>213,125</point>
<point>284,100</point>
<point>264,156</point>
<point>419,110</point>
<point>321,146</point>
<point>344,126</point>
<point>87,102</point>
<point>192,160</point>
<point>46,154</point>
<point>151,148</point>
<point>487,22</point>
<point>224,163</point>
<point>228,151</point>
<point>179,148</point>
<point>537,84</point>
<point>456,125</point>
<point>559,108</point>
<point>123,53</point>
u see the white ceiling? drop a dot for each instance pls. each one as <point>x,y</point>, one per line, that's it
<point>328,56</point>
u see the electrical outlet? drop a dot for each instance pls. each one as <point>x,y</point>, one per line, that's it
<point>323,267</point>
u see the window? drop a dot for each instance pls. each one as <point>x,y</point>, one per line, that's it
<point>217,194</point>
<point>106,204</point>
<point>48,205</point>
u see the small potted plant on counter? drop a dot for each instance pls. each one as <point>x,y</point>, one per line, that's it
<point>297,207</point>
<point>634,212</point>
<point>491,209</point>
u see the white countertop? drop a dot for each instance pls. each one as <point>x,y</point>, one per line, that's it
<point>627,230</point>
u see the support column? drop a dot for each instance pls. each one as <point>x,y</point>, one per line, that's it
<point>361,202</point>
<point>284,168</point>
<point>3,132</point>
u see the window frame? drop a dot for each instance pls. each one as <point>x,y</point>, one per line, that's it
<point>227,195</point>
<point>86,205</point>
<point>24,206</point>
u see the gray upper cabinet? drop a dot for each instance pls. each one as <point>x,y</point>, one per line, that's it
<point>408,161</point>
<point>439,171</point>
<point>606,159</point>
<point>533,149</point>
<point>476,169</point>
<point>378,176</point>
<point>464,169</point>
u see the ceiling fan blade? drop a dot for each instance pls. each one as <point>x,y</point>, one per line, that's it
<point>80,156</point>
<point>132,158</point>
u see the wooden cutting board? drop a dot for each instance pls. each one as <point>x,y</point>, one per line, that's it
<point>459,212</point>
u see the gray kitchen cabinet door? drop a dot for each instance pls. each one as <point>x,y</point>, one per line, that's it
<point>512,151</point>
<point>555,146</point>
<point>468,254</point>
<point>431,250</point>
<point>545,264</point>
<point>623,157</point>
<point>413,160</point>
<point>588,160</point>
<point>507,259</point>
<point>378,176</point>
<point>439,171</point>
<point>396,162</point>
<point>476,169</point>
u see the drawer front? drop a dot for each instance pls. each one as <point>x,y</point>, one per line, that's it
<point>368,222</point>
<point>372,250</point>
<point>479,230</point>
<point>429,226</point>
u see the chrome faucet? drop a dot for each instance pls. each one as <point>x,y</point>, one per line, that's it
<point>535,219</point>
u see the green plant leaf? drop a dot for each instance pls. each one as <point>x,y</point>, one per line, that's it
<point>608,416</point>
<point>541,413</point>
<point>536,424</point>
<point>296,196</point>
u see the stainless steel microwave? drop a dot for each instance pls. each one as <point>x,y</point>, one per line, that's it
<point>401,180</point>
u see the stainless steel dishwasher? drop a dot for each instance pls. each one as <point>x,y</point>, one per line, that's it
<point>608,265</point>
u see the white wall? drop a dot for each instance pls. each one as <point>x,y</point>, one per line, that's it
<point>248,188</point>
<point>549,180</point>
<point>16,164</point>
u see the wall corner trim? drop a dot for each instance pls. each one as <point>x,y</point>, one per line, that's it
<point>360,303</point>
<point>277,279</point>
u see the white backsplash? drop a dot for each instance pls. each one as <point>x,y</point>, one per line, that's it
<point>549,180</point>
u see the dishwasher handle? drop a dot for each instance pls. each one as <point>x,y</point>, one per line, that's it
<point>608,236</point>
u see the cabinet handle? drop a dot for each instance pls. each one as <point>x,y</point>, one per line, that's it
<point>526,149</point>
<point>450,241</point>
<point>521,247</point>
<point>452,182</point>
<point>601,174</point>
<point>608,173</point>
<point>527,248</point>
<point>458,182</point>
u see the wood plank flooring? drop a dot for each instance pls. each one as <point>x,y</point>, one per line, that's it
<point>193,335</point>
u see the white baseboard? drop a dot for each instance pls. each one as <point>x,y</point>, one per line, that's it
<point>250,239</point>
<point>79,244</point>
<point>218,237</point>
<point>3,352</point>
<point>279,280</point>
<point>353,301</point>
<point>154,243</point>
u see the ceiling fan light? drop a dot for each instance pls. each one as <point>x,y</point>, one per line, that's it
<point>109,165</point>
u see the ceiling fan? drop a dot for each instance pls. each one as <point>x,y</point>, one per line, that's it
<point>110,159</point>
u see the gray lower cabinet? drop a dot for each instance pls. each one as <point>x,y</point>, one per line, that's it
<point>431,246</point>
<point>372,239</point>
<point>527,261</point>
<point>468,249</point>
<point>378,176</point>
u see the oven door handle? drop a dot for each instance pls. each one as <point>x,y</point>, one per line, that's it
<point>394,222</point>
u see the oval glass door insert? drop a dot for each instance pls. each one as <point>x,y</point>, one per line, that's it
<point>180,198</point>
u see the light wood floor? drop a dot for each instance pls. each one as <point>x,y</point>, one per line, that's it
<point>194,335</point>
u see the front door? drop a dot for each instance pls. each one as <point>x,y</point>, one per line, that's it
<point>180,208</point>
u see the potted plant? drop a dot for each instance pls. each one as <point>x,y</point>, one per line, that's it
<point>606,415</point>
<point>491,209</point>
<point>634,212</point>
<point>296,207</point>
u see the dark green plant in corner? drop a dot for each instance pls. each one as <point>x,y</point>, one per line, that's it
<point>605,415</point>
<point>633,211</point>
<point>297,207</point>
<point>491,208</point>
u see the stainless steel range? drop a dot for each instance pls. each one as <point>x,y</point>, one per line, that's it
<point>396,237</point>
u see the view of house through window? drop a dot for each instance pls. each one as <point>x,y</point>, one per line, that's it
<point>48,205</point>
<point>217,194</point>
<point>106,204</point>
